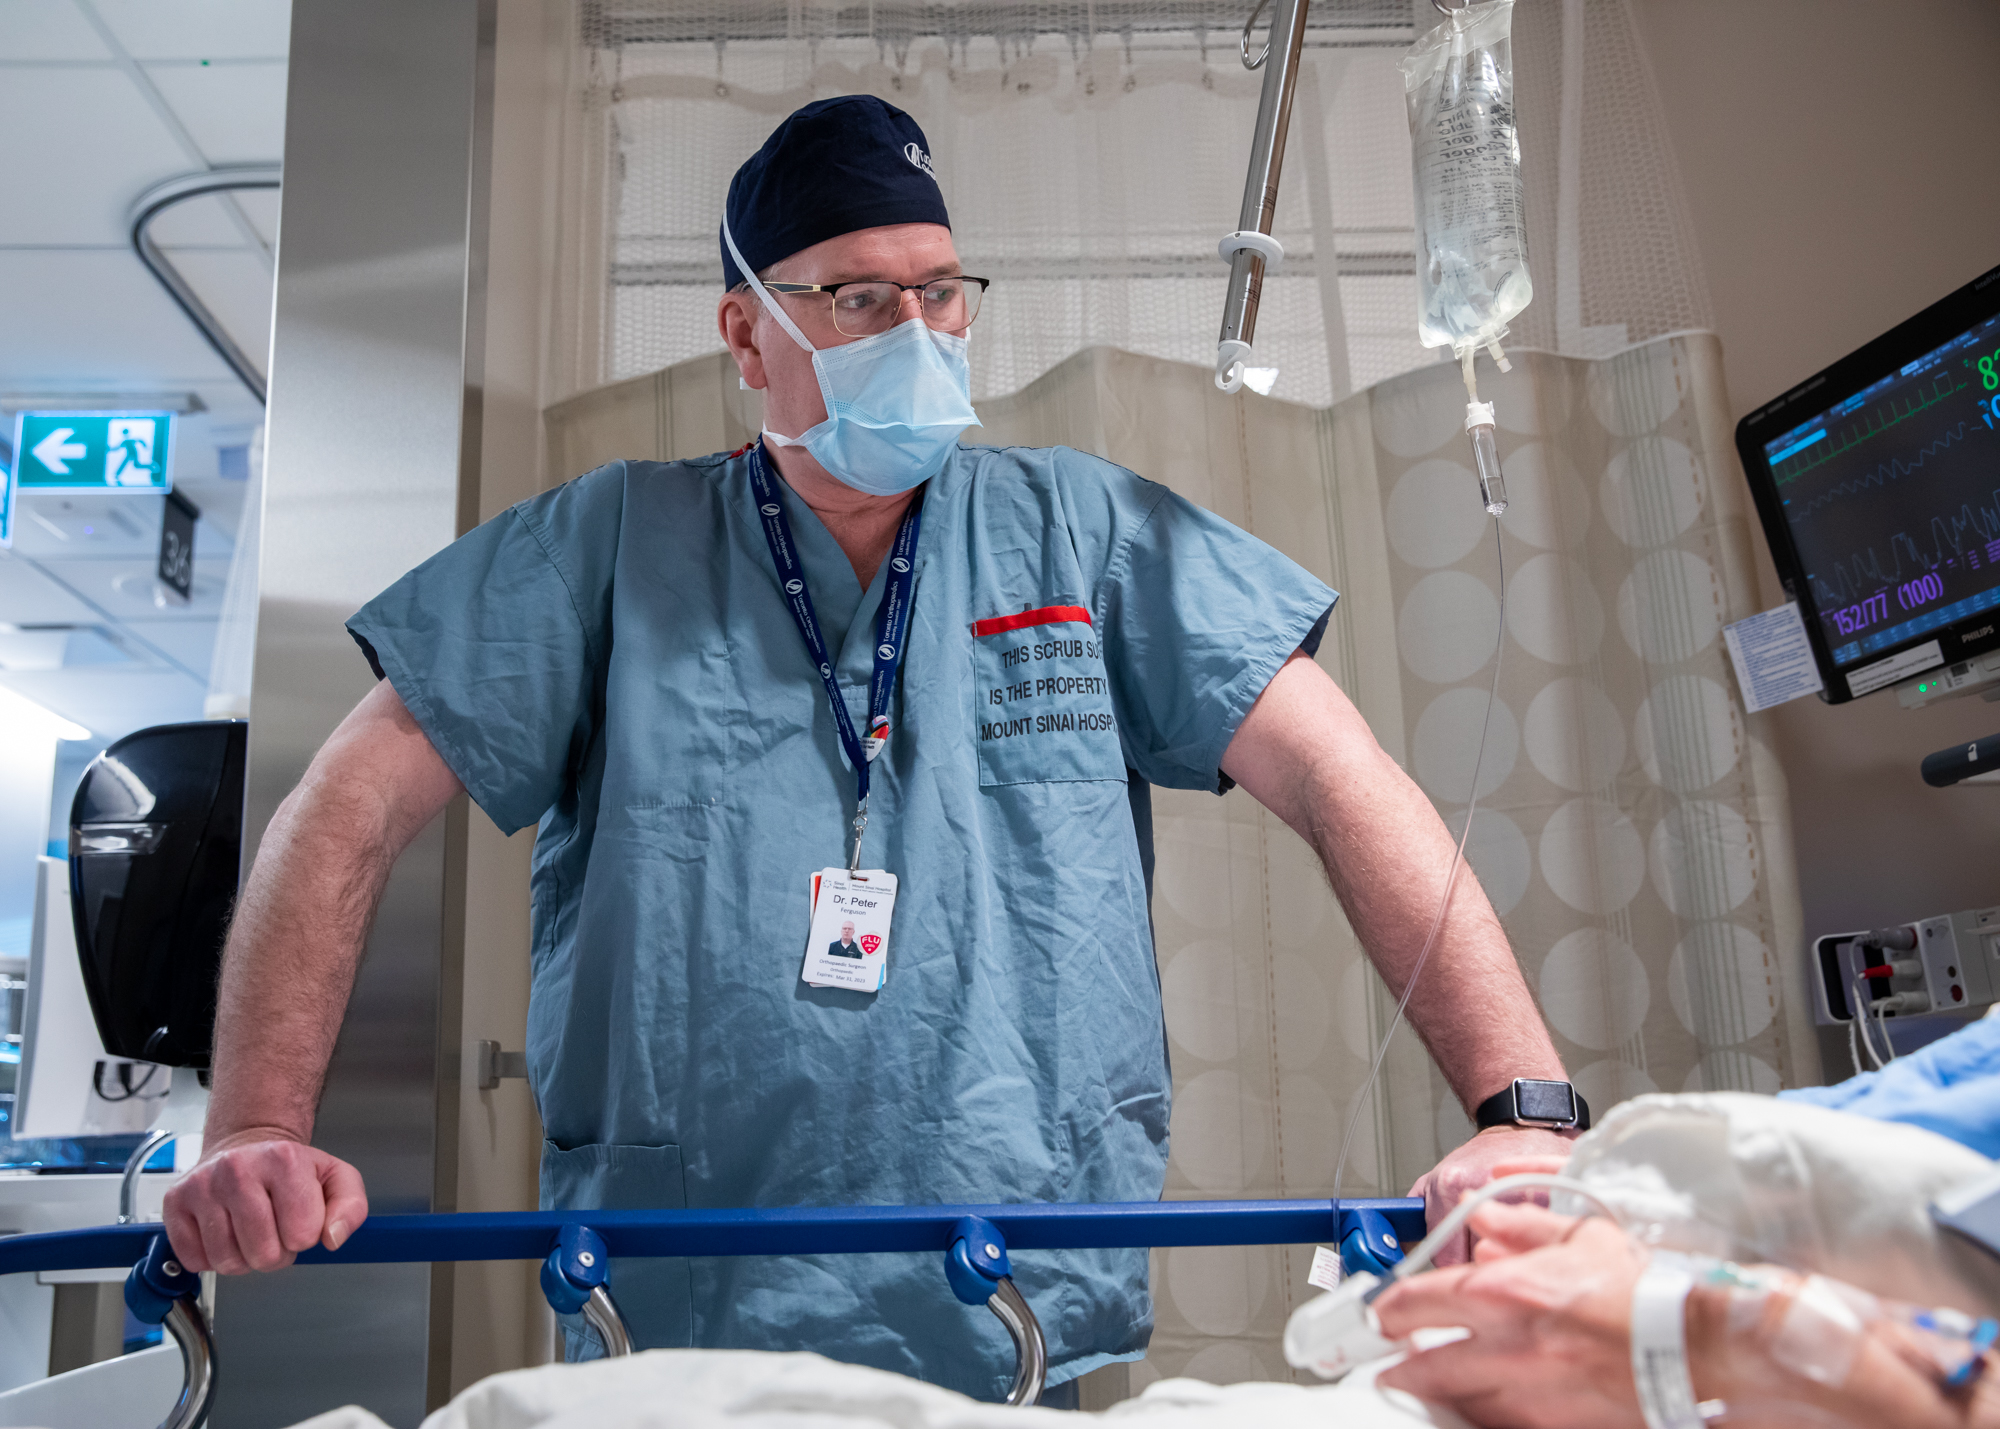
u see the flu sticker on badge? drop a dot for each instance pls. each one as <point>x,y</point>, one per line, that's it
<point>848,946</point>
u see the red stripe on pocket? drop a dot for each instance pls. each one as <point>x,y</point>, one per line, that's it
<point>1044,615</point>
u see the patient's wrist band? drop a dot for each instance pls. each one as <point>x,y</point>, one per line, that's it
<point>1659,1344</point>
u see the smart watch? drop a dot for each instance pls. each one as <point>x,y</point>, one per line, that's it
<point>1527,1101</point>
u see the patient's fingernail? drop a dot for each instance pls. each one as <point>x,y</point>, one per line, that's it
<point>336,1232</point>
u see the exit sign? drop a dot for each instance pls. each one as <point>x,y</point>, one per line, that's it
<point>93,451</point>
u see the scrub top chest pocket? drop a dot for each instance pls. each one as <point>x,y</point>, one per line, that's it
<point>1041,701</point>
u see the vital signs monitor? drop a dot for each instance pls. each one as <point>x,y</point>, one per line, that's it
<point>1878,481</point>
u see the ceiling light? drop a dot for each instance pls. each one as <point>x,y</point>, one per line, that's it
<point>180,403</point>
<point>20,714</point>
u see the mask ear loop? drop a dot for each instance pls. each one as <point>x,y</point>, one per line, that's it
<point>784,321</point>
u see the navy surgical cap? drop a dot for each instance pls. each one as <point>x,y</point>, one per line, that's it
<point>835,166</point>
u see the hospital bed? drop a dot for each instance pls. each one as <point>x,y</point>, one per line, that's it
<point>576,1247</point>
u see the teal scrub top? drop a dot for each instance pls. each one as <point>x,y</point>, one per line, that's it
<point>614,659</point>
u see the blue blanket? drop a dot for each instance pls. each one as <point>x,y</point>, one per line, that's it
<point>1951,1087</point>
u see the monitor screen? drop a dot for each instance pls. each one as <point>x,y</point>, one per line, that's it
<point>1879,484</point>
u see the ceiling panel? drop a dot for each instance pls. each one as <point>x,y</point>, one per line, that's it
<point>237,288</point>
<point>130,589</point>
<point>47,30</point>
<point>79,140</point>
<point>202,222</point>
<point>89,525</point>
<point>111,701</point>
<point>96,317</point>
<point>188,642</point>
<point>27,597</point>
<point>236,113</point>
<point>54,527</point>
<point>81,144</point>
<point>34,649</point>
<point>199,29</point>
<point>261,205</point>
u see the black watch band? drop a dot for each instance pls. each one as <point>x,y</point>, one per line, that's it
<point>1528,1101</point>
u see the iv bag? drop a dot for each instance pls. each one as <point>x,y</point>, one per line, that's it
<point>1472,248</point>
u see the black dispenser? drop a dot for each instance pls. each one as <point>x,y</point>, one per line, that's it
<point>155,853</point>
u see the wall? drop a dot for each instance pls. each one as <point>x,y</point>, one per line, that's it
<point>27,769</point>
<point>1839,176</point>
<point>500,1320</point>
<point>375,370</point>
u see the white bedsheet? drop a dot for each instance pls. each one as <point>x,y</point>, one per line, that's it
<point>748,1389</point>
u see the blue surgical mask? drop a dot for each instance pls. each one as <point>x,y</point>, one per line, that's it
<point>895,402</point>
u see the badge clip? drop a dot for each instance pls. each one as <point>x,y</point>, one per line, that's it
<point>860,827</point>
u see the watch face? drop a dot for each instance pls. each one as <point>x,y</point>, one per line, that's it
<point>1544,1101</point>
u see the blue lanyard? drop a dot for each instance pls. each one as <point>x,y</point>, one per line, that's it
<point>892,624</point>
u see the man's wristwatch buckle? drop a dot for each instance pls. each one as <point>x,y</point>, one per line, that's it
<point>1531,1101</point>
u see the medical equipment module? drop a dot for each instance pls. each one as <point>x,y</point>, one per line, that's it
<point>576,1248</point>
<point>1948,963</point>
<point>1876,483</point>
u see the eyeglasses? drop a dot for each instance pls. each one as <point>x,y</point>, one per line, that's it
<point>864,309</point>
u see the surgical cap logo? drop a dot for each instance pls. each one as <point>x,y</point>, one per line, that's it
<point>915,154</point>
<point>769,509</point>
<point>887,652</point>
<point>899,565</point>
<point>794,587</point>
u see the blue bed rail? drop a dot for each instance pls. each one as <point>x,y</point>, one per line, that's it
<point>812,1230</point>
<point>576,1247</point>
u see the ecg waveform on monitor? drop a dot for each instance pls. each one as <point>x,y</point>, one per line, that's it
<point>1971,535</point>
<point>1883,474</point>
<point>1884,418</point>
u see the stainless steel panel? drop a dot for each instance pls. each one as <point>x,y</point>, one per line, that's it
<point>375,366</point>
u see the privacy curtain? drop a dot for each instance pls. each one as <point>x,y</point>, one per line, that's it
<point>1091,153</point>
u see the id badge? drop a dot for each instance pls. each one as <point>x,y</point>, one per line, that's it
<point>849,943</point>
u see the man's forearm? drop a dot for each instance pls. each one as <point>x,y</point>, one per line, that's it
<point>1387,855</point>
<point>263,1192</point>
<point>1307,755</point>
<point>289,964</point>
<point>303,919</point>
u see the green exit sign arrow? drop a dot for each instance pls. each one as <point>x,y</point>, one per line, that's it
<point>93,451</point>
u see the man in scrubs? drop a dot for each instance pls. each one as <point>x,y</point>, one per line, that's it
<point>859,661</point>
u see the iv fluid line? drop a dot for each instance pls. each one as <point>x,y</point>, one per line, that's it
<point>1451,877</point>
<point>1465,366</point>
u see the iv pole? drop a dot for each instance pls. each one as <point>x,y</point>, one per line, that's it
<point>1251,251</point>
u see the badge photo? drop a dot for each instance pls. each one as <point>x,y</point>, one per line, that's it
<point>848,946</point>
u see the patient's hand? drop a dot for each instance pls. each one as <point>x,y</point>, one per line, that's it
<point>1497,1151</point>
<point>1549,1302</point>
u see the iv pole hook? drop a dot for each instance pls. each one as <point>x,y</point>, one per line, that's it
<point>1243,44</point>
